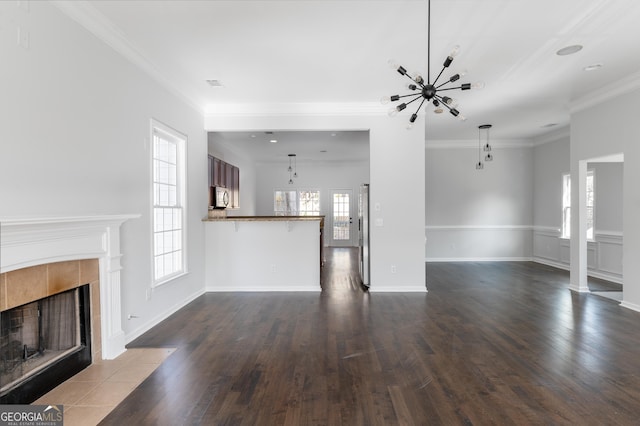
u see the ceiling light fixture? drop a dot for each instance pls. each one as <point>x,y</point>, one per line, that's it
<point>593,67</point>
<point>486,148</point>
<point>428,91</point>
<point>569,50</point>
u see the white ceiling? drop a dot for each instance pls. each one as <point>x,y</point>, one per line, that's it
<point>269,53</point>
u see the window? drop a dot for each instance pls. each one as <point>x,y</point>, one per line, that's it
<point>296,203</point>
<point>168,171</point>
<point>566,205</point>
<point>590,204</point>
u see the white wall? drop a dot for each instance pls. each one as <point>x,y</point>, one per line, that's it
<point>478,214</point>
<point>604,254</point>
<point>550,162</point>
<point>606,128</point>
<point>396,167</point>
<point>75,141</point>
<point>608,192</point>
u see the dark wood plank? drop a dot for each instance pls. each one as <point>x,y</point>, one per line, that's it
<point>491,343</point>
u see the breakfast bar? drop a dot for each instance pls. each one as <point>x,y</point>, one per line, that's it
<point>263,253</point>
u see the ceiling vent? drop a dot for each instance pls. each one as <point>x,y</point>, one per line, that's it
<point>214,83</point>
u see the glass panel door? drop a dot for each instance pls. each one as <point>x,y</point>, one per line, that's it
<point>341,221</point>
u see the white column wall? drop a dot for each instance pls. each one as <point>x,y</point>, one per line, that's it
<point>611,127</point>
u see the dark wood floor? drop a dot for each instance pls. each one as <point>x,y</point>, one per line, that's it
<point>490,343</point>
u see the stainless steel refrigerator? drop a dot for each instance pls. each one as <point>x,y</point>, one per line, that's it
<point>363,234</point>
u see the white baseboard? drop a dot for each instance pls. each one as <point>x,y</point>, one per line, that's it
<point>477,259</point>
<point>398,289</point>
<point>131,336</point>
<point>551,263</point>
<point>631,306</point>
<point>604,276</point>
<point>262,289</point>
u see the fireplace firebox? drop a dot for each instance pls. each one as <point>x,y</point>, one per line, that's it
<point>43,343</point>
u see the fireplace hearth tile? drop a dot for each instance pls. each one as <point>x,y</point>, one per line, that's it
<point>68,393</point>
<point>26,285</point>
<point>108,393</point>
<point>89,270</point>
<point>83,416</point>
<point>63,276</point>
<point>102,390</point>
<point>97,372</point>
<point>135,373</point>
<point>3,292</point>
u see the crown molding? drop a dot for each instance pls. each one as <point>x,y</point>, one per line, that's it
<point>96,23</point>
<point>295,109</point>
<point>473,144</point>
<point>555,136</point>
<point>608,92</point>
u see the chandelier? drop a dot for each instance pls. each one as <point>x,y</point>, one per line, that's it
<point>428,91</point>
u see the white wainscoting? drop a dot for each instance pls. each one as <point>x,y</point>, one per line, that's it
<point>604,254</point>
<point>478,243</point>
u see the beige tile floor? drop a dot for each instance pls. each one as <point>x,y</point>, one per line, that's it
<point>91,394</point>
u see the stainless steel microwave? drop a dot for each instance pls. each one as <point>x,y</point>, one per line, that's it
<point>219,197</point>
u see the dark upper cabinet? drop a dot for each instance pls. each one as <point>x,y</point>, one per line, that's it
<point>225,175</point>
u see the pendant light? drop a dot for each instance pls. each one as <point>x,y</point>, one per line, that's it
<point>486,148</point>
<point>292,172</point>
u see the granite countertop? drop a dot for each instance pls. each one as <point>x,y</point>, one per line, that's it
<point>262,218</point>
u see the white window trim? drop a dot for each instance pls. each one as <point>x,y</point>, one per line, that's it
<point>591,172</point>
<point>563,233</point>
<point>563,230</point>
<point>171,133</point>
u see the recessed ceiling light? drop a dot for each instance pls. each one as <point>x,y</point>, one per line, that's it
<point>333,134</point>
<point>273,141</point>
<point>593,67</point>
<point>214,83</point>
<point>569,50</point>
<point>253,135</point>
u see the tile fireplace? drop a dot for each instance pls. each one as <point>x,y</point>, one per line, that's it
<point>52,269</point>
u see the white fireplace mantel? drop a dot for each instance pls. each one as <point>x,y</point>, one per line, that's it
<point>37,241</point>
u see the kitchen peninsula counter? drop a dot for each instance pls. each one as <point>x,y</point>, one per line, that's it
<point>263,253</point>
<point>264,218</point>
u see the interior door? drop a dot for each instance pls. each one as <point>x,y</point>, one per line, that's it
<point>341,231</point>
